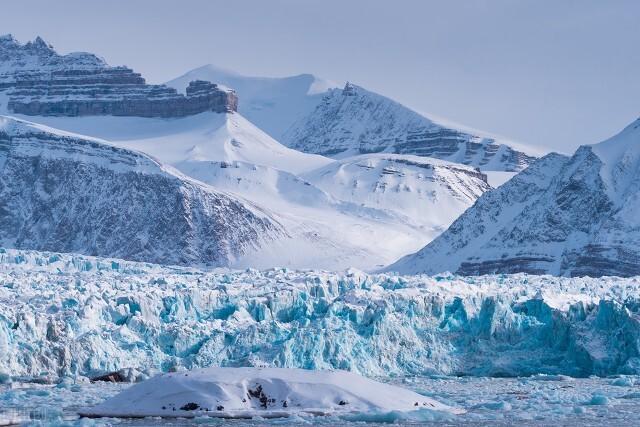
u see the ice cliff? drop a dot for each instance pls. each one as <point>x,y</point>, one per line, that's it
<point>73,315</point>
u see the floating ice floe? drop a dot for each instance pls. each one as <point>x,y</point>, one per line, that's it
<point>268,393</point>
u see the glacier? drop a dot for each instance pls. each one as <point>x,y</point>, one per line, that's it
<point>65,315</point>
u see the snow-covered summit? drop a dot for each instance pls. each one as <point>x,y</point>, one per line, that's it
<point>620,156</point>
<point>39,56</point>
<point>354,120</point>
<point>565,216</point>
<point>271,103</point>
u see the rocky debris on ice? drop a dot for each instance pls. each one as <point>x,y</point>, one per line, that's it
<point>264,392</point>
<point>126,375</point>
<point>565,216</point>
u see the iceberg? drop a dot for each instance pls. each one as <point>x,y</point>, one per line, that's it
<point>264,392</point>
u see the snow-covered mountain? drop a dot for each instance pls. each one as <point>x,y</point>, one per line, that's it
<point>402,200</point>
<point>209,136</point>
<point>327,228</point>
<point>354,121</point>
<point>66,193</point>
<point>37,81</point>
<point>271,103</point>
<point>428,193</point>
<point>335,228</point>
<point>565,216</point>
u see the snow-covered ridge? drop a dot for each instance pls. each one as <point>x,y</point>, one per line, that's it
<point>73,315</point>
<point>40,82</point>
<point>398,200</point>
<point>39,56</point>
<point>354,120</point>
<point>203,137</point>
<point>565,216</point>
<point>428,192</point>
<point>62,192</point>
<point>32,139</point>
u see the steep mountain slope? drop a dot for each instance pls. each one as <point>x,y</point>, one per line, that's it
<point>562,216</point>
<point>37,81</point>
<point>353,121</point>
<point>271,103</point>
<point>62,192</point>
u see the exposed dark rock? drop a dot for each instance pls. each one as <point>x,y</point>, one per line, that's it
<point>191,406</point>
<point>258,393</point>
<point>111,377</point>
<point>41,82</point>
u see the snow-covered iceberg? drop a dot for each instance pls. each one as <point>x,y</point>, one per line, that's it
<point>66,315</point>
<point>265,392</point>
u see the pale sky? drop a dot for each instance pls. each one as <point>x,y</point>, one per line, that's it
<point>549,73</point>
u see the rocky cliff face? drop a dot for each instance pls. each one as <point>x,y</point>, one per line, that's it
<point>64,193</point>
<point>356,121</point>
<point>565,216</point>
<point>40,82</point>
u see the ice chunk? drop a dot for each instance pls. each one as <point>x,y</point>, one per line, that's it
<point>265,392</point>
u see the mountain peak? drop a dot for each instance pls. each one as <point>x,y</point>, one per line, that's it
<point>349,89</point>
<point>355,120</point>
<point>7,39</point>
<point>40,46</point>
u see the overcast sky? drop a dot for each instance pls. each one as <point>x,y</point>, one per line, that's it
<point>554,74</point>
